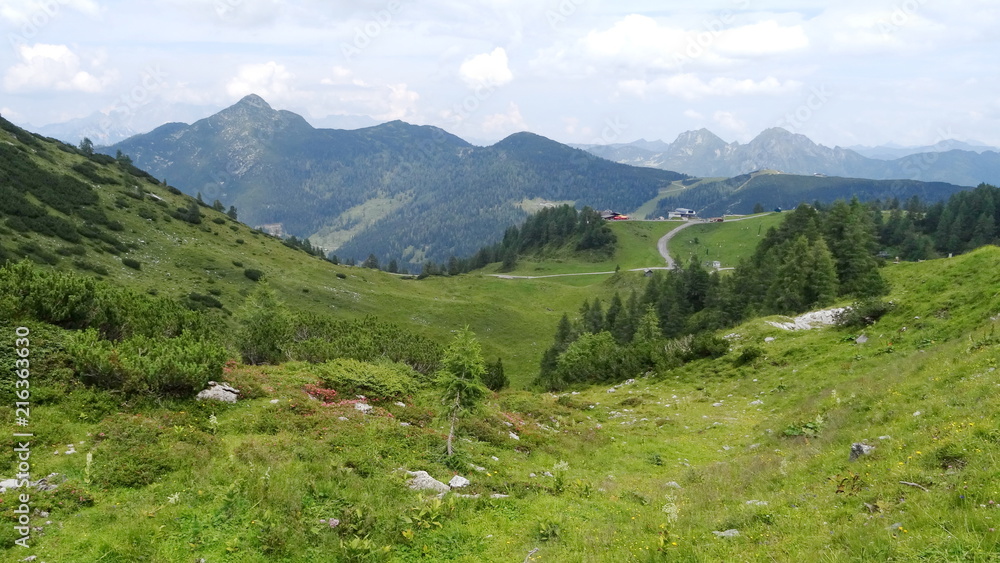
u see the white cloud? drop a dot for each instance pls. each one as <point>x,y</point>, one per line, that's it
<point>268,80</point>
<point>509,122</point>
<point>764,38</point>
<point>730,122</point>
<point>691,87</point>
<point>692,114</point>
<point>52,67</point>
<point>400,104</point>
<point>641,42</point>
<point>487,69</point>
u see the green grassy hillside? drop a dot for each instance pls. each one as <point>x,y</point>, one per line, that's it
<point>726,242</point>
<point>644,473</point>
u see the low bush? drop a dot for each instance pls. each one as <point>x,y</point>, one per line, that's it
<point>377,380</point>
<point>178,366</point>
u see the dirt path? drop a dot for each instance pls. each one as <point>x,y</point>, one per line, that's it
<point>661,244</point>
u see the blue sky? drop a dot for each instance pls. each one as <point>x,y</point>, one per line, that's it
<point>583,71</point>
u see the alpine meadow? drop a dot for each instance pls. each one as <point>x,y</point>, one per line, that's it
<point>304,282</point>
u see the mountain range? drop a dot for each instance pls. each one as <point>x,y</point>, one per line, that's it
<point>416,193</point>
<point>702,153</point>
<point>394,190</point>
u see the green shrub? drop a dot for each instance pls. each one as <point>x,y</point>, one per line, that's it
<point>132,263</point>
<point>253,274</point>
<point>495,379</point>
<point>377,380</point>
<point>178,366</point>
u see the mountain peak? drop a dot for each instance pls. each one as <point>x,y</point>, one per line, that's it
<point>254,101</point>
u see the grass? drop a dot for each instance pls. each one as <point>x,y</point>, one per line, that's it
<point>725,242</point>
<point>255,485</point>
<point>636,248</point>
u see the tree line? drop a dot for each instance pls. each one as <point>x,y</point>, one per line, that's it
<point>817,255</point>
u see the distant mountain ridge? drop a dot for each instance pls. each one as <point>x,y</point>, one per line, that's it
<point>395,190</point>
<point>702,153</point>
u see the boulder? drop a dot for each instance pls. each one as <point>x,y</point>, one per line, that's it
<point>727,534</point>
<point>422,481</point>
<point>219,392</point>
<point>457,482</point>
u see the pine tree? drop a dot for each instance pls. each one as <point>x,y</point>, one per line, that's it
<point>462,368</point>
<point>232,213</point>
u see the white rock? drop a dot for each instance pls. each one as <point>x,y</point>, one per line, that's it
<point>918,413</point>
<point>363,407</point>
<point>673,485</point>
<point>756,403</point>
<point>404,423</point>
<point>514,436</point>
<point>342,418</point>
<point>716,404</point>
<point>811,320</point>
<point>477,468</point>
<point>757,502</point>
<point>400,404</point>
<point>498,495</point>
<point>494,458</point>
<point>770,339</point>
<point>727,534</point>
<point>457,482</point>
<point>275,401</point>
<point>219,392</point>
<point>422,481</point>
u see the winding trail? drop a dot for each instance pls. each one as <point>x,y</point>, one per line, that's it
<point>661,246</point>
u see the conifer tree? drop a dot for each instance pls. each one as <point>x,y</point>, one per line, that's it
<point>462,368</point>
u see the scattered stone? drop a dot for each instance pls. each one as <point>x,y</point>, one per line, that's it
<point>494,458</point>
<point>770,339</point>
<point>498,495</point>
<point>861,339</point>
<point>404,423</point>
<point>275,401</point>
<point>757,502</point>
<point>756,403</point>
<point>70,449</point>
<point>363,407</point>
<point>30,558</point>
<point>514,436</point>
<point>219,392</point>
<point>673,485</point>
<point>546,474</point>
<point>532,475</point>
<point>477,468</point>
<point>400,404</point>
<point>422,481</point>
<point>859,449</point>
<point>457,482</point>
<point>612,390</point>
<point>716,404</point>
<point>727,534</point>
<point>460,495</point>
<point>342,418</point>
<point>885,437</point>
<point>918,413</point>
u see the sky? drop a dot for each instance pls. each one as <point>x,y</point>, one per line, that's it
<point>852,72</point>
